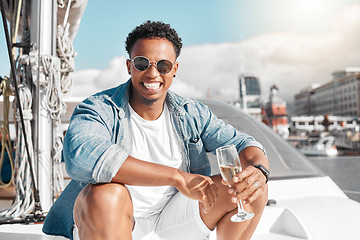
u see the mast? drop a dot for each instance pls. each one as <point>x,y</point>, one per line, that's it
<point>43,36</point>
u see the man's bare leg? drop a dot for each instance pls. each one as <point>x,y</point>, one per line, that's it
<point>104,211</point>
<point>224,208</point>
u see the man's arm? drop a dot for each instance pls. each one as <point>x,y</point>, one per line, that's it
<point>136,172</point>
<point>253,155</point>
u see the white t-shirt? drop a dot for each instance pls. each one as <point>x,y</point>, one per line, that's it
<point>157,142</point>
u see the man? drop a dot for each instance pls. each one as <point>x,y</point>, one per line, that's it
<point>137,154</point>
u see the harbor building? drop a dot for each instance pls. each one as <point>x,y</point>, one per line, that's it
<point>339,97</point>
<point>274,113</point>
<point>250,93</point>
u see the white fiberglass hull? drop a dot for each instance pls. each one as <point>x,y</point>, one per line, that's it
<point>309,208</point>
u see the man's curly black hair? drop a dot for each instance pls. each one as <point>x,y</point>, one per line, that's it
<point>150,30</point>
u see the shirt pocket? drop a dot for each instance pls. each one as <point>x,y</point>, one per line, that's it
<point>199,162</point>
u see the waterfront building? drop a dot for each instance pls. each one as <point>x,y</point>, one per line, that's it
<point>249,88</point>
<point>340,96</point>
<point>316,123</point>
<point>274,113</point>
<point>252,86</point>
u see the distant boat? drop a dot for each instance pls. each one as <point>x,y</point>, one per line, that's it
<point>325,146</point>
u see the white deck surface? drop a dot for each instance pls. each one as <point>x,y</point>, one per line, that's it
<point>22,231</point>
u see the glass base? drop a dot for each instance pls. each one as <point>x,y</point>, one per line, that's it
<point>242,216</point>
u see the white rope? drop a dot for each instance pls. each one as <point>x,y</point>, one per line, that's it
<point>24,199</point>
<point>56,107</point>
<point>67,13</point>
<point>6,146</point>
<point>66,54</point>
<point>49,83</point>
<point>65,51</point>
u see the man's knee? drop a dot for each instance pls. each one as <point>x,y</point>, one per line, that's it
<point>110,194</point>
<point>97,200</point>
<point>102,211</point>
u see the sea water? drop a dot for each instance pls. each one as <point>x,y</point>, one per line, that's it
<point>344,171</point>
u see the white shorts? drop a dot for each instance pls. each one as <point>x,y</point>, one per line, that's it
<point>179,220</point>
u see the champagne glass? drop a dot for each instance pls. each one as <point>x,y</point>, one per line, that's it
<point>229,164</point>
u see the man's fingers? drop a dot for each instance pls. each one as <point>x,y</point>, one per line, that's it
<point>209,197</point>
<point>254,195</point>
<point>244,174</point>
<point>248,183</point>
<point>250,194</point>
<point>207,204</point>
<point>223,182</point>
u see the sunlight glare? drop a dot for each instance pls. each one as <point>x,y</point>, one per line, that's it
<point>313,13</point>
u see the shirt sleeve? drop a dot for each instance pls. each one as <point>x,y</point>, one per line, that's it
<point>216,133</point>
<point>89,152</point>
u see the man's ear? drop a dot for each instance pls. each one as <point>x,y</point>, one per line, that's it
<point>175,68</point>
<point>128,65</point>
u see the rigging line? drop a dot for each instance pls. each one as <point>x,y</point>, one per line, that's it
<point>36,191</point>
<point>37,95</point>
<point>67,13</point>
<point>16,20</point>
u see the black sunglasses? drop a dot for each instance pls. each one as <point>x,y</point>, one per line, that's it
<point>142,63</point>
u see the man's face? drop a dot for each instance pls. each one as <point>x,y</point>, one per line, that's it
<point>150,86</point>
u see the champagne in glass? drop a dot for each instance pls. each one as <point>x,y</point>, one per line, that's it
<point>229,164</point>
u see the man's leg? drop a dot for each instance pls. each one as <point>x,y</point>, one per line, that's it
<point>104,211</point>
<point>224,208</point>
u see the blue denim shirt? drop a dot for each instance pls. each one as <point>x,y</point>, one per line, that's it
<point>97,142</point>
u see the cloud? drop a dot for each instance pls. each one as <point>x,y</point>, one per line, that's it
<point>83,82</point>
<point>186,89</point>
<point>90,81</point>
<point>114,75</point>
<point>289,60</point>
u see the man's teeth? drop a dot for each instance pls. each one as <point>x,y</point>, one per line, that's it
<point>152,86</point>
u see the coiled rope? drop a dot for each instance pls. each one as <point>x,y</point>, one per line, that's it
<point>6,146</point>
<point>24,200</point>
<point>65,51</point>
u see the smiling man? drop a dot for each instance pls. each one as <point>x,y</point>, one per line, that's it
<point>149,85</point>
<point>137,157</point>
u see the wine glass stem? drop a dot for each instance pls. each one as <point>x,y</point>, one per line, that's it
<point>240,207</point>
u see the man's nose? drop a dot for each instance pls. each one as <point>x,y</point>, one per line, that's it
<point>153,69</point>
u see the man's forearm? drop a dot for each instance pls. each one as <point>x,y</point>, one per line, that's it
<point>253,155</point>
<point>141,173</point>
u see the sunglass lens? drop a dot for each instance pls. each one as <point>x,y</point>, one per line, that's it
<point>164,66</point>
<point>141,63</point>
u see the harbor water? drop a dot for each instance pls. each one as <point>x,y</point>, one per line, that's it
<point>344,171</point>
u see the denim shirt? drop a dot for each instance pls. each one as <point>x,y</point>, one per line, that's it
<point>97,141</point>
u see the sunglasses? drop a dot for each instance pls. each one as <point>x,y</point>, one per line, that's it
<point>142,63</point>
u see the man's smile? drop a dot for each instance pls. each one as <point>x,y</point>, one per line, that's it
<point>152,85</point>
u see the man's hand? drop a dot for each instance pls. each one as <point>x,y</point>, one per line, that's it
<point>198,187</point>
<point>248,185</point>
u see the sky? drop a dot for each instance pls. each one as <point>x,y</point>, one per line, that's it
<point>290,43</point>
<point>104,27</point>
